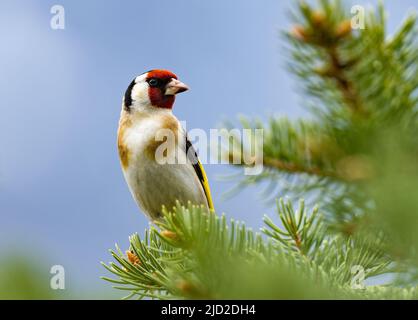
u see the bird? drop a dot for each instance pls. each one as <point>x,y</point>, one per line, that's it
<point>147,112</point>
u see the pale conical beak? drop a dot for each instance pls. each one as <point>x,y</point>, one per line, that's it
<point>175,86</point>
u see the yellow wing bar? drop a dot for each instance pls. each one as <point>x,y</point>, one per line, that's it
<point>200,171</point>
<point>205,185</point>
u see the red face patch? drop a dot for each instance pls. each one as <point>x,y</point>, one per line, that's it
<point>156,93</point>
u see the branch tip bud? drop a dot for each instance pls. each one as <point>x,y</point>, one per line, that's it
<point>299,32</point>
<point>132,258</point>
<point>344,29</point>
<point>169,234</point>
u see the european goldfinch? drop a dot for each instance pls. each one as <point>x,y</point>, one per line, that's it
<point>146,112</point>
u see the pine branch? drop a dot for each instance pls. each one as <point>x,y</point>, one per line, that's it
<point>334,61</point>
<point>361,86</point>
<point>198,255</point>
<point>295,148</point>
<point>308,235</point>
<point>298,169</point>
<point>330,36</point>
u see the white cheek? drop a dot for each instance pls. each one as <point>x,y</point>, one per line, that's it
<point>140,94</point>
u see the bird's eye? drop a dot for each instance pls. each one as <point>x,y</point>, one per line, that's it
<point>153,82</point>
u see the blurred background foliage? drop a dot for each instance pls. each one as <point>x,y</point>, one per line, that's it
<point>24,276</point>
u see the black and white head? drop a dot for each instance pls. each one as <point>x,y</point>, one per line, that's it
<point>153,89</point>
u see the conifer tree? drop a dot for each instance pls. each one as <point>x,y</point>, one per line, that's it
<point>354,160</point>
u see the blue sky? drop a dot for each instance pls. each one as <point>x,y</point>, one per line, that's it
<point>61,188</point>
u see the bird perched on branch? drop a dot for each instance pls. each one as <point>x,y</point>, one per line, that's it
<point>158,161</point>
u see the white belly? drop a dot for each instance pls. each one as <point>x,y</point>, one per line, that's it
<point>152,184</point>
